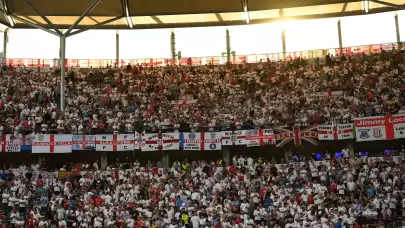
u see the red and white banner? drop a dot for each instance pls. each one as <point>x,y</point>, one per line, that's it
<point>335,132</point>
<point>398,122</point>
<point>380,128</point>
<point>260,137</point>
<point>373,128</point>
<point>50,143</point>
<point>202,141</point>
<point>230,138</point>
<point>118,142</point>
<point>84,142</point>
<point>9,144</point>
<point>160,141</point>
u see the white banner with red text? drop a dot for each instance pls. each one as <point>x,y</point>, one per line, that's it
<point>335,132</point>
<point>118,142</point>
<point>380,128</point>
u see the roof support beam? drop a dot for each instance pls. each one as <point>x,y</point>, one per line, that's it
<point>127,13</point>
<point>33,20</point>
<point>95,26</point>
<point>43,17</point>
<point>400,7</point>
<point>34,25</point>
<point>94,20</point>
<point>91,7</point>
<point>156,19</point>
<point>219,17</point>
<point>344,7</point>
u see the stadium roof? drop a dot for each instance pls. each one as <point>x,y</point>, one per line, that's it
<point>146,14</point>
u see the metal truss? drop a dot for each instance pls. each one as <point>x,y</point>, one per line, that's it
<point>63,35</point>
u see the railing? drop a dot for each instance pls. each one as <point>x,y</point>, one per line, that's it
<point>197,61</point>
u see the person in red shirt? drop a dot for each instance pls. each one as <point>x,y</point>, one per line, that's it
<point>32,222</point>
<point>333,187</point>
<point>311,199</point>
<point>98,201</point>
<point>232,169</point>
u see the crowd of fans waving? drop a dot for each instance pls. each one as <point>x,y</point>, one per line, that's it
<point>269,93</point>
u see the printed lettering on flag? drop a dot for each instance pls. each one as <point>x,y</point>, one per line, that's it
<point>9,143</point>
<point>398,122</point>
<point>260,137</point>
<point>192,141</point>
<point>84,142</point>
<point>50,143</point>
<point>373,128</point>
<point>117,142</point>
<point>212,141</point>
<point>202,141</point>
<point>230,138</point>
<point>161,141</point>
<point>337,132</point>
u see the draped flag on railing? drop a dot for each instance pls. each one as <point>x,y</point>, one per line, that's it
<point>84,142</point>
<point>260,137</point>
<point>380,128</point>
<point>308,134</point>
<point>160,141</point>
<point>9,144</point>
<point>335,132</point>
<point>118,142</point>
<point>363,129</point>
<point>44,143</point>
<point>201,141</point>
<point>231,138</point>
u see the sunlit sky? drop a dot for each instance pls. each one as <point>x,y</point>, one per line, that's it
<point>209,41</point>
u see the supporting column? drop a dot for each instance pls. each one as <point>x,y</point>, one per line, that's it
<point>226,155</point>
<point>103,160</point>
<point>397,31</point>
<point>173,46</point>
<point>228,47</point>
<point>117,47</point>
<point>340,37</point>
<point>165,160</point>
<point>62,71</point>
<point>283,43</point>
<point>5,41</point>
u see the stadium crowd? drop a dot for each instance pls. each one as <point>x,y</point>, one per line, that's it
<point>270,93</point>
<point>337,192</point>
<point>249,193</point>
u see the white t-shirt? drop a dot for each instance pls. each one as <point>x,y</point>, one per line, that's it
<point>195,220</point>
<point>4,197</point>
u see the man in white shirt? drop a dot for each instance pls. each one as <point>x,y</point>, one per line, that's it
<point>195,220</point>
